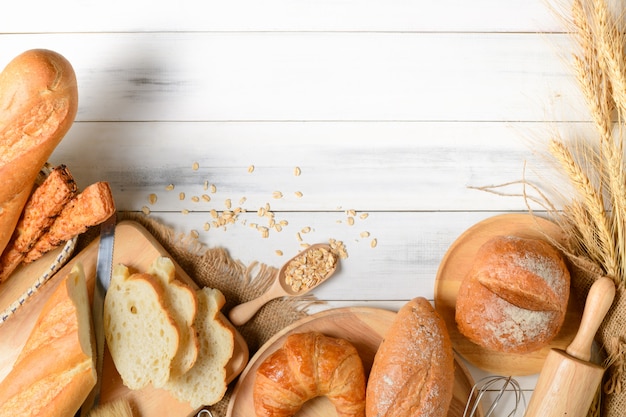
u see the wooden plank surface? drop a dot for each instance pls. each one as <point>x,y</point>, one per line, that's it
<point>395,109</point>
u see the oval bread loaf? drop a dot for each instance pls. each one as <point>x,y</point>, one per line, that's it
<point>514,298</point>
<point>413,369</point>
<point>38,104</point>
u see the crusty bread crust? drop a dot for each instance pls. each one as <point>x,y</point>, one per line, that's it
<point>413,369</point>
<point>55,370</point>
<point>38,104</point>
<point>514,298</point>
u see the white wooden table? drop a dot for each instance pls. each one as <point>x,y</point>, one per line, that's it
<point>394,109</point>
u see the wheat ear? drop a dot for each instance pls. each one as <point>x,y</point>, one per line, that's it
<point>593,204</point>
<point>588,69</point>
<point>610,44</point>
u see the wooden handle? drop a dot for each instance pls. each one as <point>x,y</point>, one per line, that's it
<point>242,313</point>
<point>598,302</point>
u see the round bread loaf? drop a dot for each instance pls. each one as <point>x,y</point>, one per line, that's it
<point>514,298</point>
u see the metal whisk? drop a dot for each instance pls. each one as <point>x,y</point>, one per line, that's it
<point>500,385</point>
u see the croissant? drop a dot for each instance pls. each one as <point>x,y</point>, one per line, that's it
<point>309,365</point>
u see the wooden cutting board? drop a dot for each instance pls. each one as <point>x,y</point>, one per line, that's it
<point>136,248</point>
<point>365,328</point>
<point>455,265</point>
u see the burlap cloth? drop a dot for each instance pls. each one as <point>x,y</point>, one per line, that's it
<point>214,267</point>
<point>611,336</point>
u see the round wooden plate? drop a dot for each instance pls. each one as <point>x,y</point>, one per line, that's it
<point>364,327</point>
<point>456,264</point>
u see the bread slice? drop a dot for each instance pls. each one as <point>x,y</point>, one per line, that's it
<point>55,371</point>
<point>205,383</point>
<point>181,301</point>
<point>140,332</point>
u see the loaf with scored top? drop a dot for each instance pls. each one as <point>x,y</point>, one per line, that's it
<point>38,104</point>
<point>55,370</point>
<point>514,298</point>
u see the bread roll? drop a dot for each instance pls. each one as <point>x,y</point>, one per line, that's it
<point>413,369</point>
<point>55,370</point>
<point>38,103</point>
<point>309,365</point>
<point>514,298</point>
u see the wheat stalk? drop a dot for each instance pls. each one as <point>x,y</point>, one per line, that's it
<point>590,216</point>
<point>588,69</point>
<point>610,45</point>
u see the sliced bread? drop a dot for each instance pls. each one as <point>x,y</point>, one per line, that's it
<point>181,301</point>
<point>141,334</point>
<point>205,383</point>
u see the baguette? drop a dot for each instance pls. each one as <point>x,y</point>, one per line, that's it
<point>55,370</point>
<point>413,369</point>
<point>42,207</point>
<point>38,104</point>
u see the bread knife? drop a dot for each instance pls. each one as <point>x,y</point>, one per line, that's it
<point>104,267</point>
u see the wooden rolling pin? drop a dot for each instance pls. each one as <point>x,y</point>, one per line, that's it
<point>568,382</point>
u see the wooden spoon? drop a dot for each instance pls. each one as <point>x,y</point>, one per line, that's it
<point>280,287</point>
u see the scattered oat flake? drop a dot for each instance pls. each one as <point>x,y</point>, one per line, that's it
<point>277,195</point>
<point>261,212</point>
<point>207,226</point>
<point>214,214</point>
<point>205,185</point>
<point>181,196</point>
<point>350,221</point>
<point>365,234</point>
<point>213,188</point>
<point>195,199</point>
<point>373,243</point>
<point>195,166</point>
<point>299,237</point>
<point>283,223</point>
<point>242,200</point>
<point>297,171</point>
<point>152,198</point>
<point>306,229</point>
<point>206,198</point>
<point>184,211</point>
<point>169,187</point>
<point>194,234</point>
<point>338,248</point>
<point>228,203</point>
<point>363,216</point>
<point>145,210</point>
<point>351,213</point>
<point>298,194</point>
<point>279,252</point>
<point>251,169</point>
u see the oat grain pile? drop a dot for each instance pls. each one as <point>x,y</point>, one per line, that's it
<point>594,216</point>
